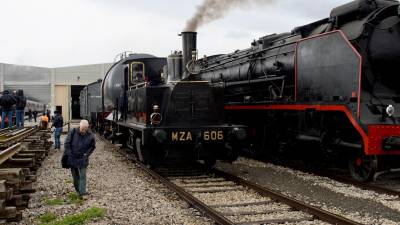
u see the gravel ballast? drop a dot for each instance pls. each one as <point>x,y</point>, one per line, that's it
<point>364,206</point>
<point>115,184</point>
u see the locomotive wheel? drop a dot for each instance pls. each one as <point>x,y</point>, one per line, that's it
<point>362,168</point>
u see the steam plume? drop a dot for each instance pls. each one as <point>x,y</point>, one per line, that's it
<point>211,10</point>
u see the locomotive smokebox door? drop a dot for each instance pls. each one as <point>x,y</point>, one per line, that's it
<point>328,69</point>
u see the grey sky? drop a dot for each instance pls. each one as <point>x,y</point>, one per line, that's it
<point>55,33</point>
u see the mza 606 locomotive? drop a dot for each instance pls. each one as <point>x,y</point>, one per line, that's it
<point>173,116</point>
<point>334,82</point>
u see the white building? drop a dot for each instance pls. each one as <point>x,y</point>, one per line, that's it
<point>59,88</point>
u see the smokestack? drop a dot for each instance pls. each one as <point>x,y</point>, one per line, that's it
<point>189,44</point>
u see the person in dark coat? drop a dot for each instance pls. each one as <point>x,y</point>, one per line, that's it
<point>35,115</point>
<point>20,108</point>
<point>30,115</point>
<point>58,124</point>
<point>48,114</point>
<point>79,145</point>
<point>7,101</point>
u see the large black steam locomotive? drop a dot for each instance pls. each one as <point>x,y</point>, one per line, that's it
<point>334,82</point>
<point>149,105</point>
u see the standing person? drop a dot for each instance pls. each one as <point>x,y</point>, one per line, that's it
<point>35,115</point>
<point>6,102</point>
<point>20,108</point>
<point>58,123</point>
<point>30,115</point>
<point>48,114</point>
<point>44,121</point>
<point>79,145</point>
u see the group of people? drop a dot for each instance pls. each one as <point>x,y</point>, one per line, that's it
<point>78,146</point>
<point>32,115</point>
<point>14,103</point>
<point>10,102</point>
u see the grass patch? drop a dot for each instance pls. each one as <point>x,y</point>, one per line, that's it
<point>69,181</point>
<point>47,218</point>
<point>74,198</point>
<point>81,218</point>
<point>55,201</point>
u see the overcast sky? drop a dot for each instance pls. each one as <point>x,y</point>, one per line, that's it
<point>55,33</point>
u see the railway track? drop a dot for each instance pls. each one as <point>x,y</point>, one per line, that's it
<point>9,137</point>
<point>18,165</point>
<point>228,199</point>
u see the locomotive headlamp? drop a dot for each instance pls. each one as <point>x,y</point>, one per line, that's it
<point>390,110</point>
<point>156,117</point>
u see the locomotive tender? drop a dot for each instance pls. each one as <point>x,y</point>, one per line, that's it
<point>90,103</point>
<point>334,82</point>
<point>150,105</point>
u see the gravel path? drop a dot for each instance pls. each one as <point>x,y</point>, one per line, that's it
<point>366,207</point>
<point>115,184</point>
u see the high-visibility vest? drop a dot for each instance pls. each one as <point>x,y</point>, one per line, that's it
<point>44,119</point>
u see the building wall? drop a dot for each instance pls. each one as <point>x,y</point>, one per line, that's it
<point>80,75</point>
<point>35,81</point>
<point>62,98</point>
<point>50,86</point>
<point>74,75</point>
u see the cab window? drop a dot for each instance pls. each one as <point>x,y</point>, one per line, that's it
<point>137,73</point>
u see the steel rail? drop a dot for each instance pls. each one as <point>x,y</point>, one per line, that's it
<point>319,213</point>
<point>219,218</point>
<point>210,212</point>
<point>10,152</point>
<point>15,136</point>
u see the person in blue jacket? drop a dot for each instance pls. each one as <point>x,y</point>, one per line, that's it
<point>58,124</point>
<point>78,146</point>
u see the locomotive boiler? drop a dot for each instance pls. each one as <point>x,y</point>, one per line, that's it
<point>150,107</point>
<point>334,83</point>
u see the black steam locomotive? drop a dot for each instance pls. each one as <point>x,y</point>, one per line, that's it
<point>150,106</point>
<point>334,82</point>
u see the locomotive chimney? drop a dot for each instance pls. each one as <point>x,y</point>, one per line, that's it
<point>189,40</point>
